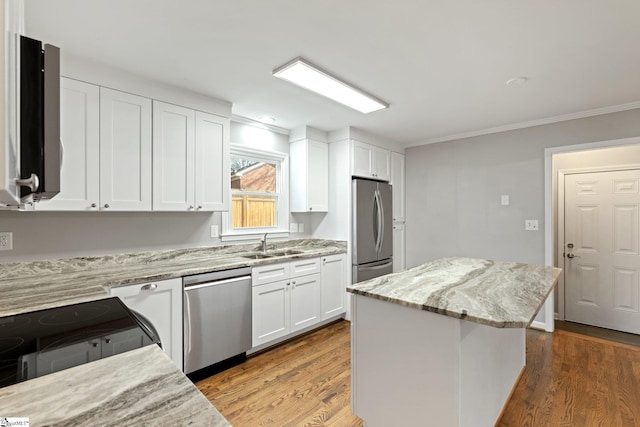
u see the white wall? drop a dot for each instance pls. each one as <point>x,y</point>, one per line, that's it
<point>454,188</point>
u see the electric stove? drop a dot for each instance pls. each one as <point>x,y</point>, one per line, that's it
<point>42,342</point>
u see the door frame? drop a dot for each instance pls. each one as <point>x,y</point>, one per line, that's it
<point>551,229</point>
<point>560,315</point>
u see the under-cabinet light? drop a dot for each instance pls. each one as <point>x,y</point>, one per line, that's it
<point>304,74</point>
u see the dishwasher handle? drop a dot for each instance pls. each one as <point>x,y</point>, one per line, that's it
<point>195,286</point>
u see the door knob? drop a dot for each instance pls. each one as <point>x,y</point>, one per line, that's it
<point>571,255</point>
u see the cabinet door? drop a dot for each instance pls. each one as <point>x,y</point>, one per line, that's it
<point>317,176</point>
<point>305,301</point>
<point>211,163</point>
<point>362,163</point>
<point>125,151</point>
<point>398,247</point>
<point>161,303</point>
<point>173,157</point>
<point>382,164</point>
<point>333,283</point>
<point>80,135</point>
<point>270,311</point>
<point>397,182</point>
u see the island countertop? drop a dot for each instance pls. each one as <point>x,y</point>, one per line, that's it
<point>493,293</point>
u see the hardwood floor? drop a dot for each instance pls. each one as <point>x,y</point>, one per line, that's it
<point>575,380</point>
<point>570,380</point>
<point>305,382</point>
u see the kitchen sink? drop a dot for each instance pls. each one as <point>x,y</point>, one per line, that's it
<point>257,256</point>
<point>285,253</point>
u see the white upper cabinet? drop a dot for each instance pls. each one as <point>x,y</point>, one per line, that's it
<point>397,181</point>
<point>190,159</point>
<point>369,161</point>
<point>173,157</point>
<point>125,151</point>
<point>212,163</point>
<point>80,135</point>
<point>309,183</point>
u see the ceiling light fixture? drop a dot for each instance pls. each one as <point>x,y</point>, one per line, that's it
<point>267,120</point>
<point>517,81</point>
<point>304,74</point>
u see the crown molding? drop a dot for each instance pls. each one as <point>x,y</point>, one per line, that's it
<point>538,122</point>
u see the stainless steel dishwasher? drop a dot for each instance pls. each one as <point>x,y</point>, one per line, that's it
<point>217,317</point>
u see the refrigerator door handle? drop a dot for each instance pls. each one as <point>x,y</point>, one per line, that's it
<point>376,220</point>
<point>381,221</point>
<point>377,267</point>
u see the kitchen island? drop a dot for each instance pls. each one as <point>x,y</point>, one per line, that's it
<point>443,343</point>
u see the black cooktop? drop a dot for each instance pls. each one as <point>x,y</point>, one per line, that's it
<point>46,341</point>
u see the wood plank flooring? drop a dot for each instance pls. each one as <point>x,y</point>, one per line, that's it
<point>305,382</point>
<point>570,381</point>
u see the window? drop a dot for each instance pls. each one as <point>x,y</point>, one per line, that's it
<point>259,192</point>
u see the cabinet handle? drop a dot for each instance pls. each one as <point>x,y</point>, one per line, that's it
<point>310,208</point>
<point>93,205</point>
<point>149,287</point>
<point>199,207</point>
<point>106,205</point>
<point>94,344</point>
<point>190,207</point>
<point>107,340</point>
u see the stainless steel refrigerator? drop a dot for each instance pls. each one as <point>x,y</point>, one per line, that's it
<point>372,230</point>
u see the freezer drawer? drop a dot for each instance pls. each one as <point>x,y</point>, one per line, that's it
<point>371,270</point>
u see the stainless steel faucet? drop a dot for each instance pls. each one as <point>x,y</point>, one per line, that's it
<point>264,243</point>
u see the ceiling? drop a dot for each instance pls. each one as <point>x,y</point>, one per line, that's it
<point>442,65</point>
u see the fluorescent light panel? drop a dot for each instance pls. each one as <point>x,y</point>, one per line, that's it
<point>308,76</point>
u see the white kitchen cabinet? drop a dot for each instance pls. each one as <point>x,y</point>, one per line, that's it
<point>106,156</point>
<point>286,298</point>
<point>333,285</point>
<point>173,157</point>
<point>397,182</point>
<point>190,159</point>
<point>369,161</point>
<point>212,180</point>
<point>161,303</point>
<point>125,151</point>
<point>309,172</point>
<point>270,311</point>
<point>398,247</point>
<point>80,135</point>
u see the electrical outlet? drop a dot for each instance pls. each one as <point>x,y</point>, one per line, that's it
<point>293,227</point>
<point>531,224</point>
<point>6,240</point>
<point>504,200</point>
<point>301,227</point>
<point>214,231</point>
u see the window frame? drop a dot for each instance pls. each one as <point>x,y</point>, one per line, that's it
<point>282,190</point>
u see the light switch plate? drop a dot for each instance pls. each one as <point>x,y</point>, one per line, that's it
<point>504,200</point>
<point>531,224</point>
<point>6,240</point>
<point>293,227</point>
<point>214,231</point>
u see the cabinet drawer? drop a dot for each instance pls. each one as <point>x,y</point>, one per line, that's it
<point>269,273</point>
<point>302,267</point>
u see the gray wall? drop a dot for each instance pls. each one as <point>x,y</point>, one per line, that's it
<point>454,188</point>
<point>45,235</point>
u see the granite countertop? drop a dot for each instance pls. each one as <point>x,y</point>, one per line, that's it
<point>141,387</point>
<point>29,286</point>
<point>493,293</point>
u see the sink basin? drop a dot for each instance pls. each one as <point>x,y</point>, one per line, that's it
<point>257,256</point>
<point>285,253</point>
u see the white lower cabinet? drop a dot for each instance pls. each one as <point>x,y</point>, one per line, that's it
<point>334,272</point>
<point>289,297</point>
<point>161,303</point>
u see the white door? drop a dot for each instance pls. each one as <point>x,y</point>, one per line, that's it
<point>305,301</point>
<point>270,311</point>
<point>173,157</point>
<point>362,163</point>
<point>397,182</point>
<point>332,291</point>
<point>317,176</point>
<point>602,261</point>
<point>125,151</point>
<point>398,246</point>
<point>212,163</point>
<point>80,135</point>
<point>161,303</point>
<point>382,165</point>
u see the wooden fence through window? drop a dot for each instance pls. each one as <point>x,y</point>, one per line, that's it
<point>253,211</point>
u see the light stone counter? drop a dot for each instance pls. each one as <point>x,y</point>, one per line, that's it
<point>139,388</point>
<point>493,293</point>
<point>30,286</point>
